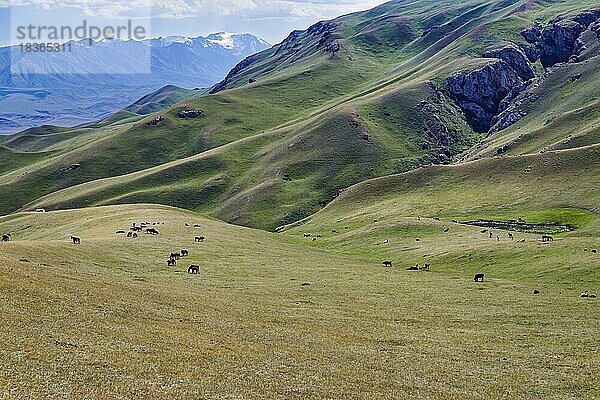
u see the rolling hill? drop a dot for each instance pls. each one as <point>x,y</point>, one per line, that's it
<point>438,133</point>
<point>362,96</point>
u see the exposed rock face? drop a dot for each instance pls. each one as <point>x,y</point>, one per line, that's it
<point>558,40</point>
<point>185,113</point>
<point>531,52</point>
<point>533,34</point>
<point>513,113</point>
<point>516,59</point>
<point>480,92</point>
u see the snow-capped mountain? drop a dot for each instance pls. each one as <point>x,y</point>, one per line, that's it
<point>72,80</point>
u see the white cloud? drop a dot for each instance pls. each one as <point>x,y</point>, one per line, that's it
<point>192,8</point>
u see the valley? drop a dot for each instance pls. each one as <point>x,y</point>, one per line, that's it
<point>350,186</point>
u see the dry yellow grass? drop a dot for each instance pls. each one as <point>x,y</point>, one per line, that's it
<point>108,320</point>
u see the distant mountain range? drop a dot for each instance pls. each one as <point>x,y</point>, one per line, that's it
<point>94,79</point>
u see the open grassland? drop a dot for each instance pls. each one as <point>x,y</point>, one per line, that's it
<point>271,317</point>
<point>412,218</point>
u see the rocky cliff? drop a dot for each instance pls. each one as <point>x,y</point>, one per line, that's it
<point>489,95</point>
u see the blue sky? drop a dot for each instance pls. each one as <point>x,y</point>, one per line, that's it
<point>271,20</point>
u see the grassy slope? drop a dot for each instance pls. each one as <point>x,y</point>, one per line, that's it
<point>560,187</point>
<point>161,99</point>
<point>109,319</point>
<point>304,116</point>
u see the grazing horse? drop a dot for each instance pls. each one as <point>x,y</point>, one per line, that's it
<point>479,277</point>
<point>185,253</point>
<point>6,237</point>
<point>199,239</point>
<point>194,269</point>
<point>387,264</point>
<point>171,262</point>
<point>76,240</point>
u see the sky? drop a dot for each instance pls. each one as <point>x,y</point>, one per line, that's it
<point>271,20</point>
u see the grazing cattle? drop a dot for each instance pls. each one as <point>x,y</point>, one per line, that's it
<point>333,231</point>
<point>194,269</point>
<point>510,236</point>
<point>386,241</point>
<point>413,268</point>
<point>121,232</point>
<point>484,231</point>
<point>185,253</point>
<point>491,235</point>
<point>418,240</point>
<point>152,231</point>
<point>136,229</point>
<point>479,277</point>
<point>521,241</point>
<point>455,221</point>
<point>76,240</point>
<point>197,226</point>
<point>446,230</point>
<point>547,238</point>
<point>134,235</point>
<point>6,237</point>
<point>187,225</point>
<point>387,264</point>
<point>594,251</point>
<point>129,234</point>
<point>199,239</point>
<point>437,219</point>
<point>307,235</point>
<point>171,262</point>
<point>498,238</point>
<point>536,292</point>
<point>584,295</point>
<point>40,210</point>
<point>314,239</point>
<point>175,256</point>
<point>426,267</point>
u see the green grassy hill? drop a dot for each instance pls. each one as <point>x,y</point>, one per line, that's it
<point>412,211</point>
<point>357,98</point>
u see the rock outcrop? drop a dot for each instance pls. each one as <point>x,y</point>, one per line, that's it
<point>515,58</point>
<point>532,34</point>
<point>480,92</point>
<point>558,40</point>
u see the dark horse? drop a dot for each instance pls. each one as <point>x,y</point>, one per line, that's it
<point>479,277</point>
<point>194,269</point>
